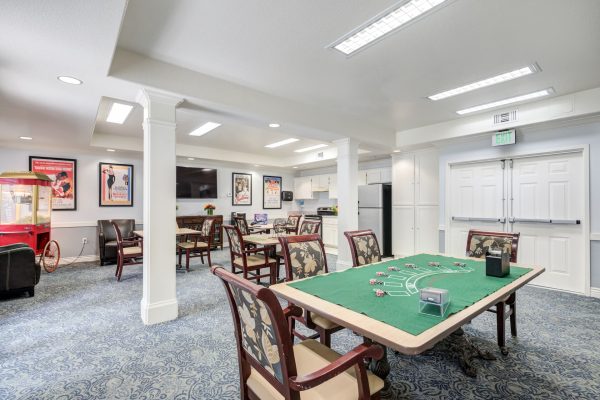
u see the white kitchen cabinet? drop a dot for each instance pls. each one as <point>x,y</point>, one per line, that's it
<point>330,232</point>
<point>427,178</point>
<point>374,175</point>
<point>426,229</point>
<point>320,183</point>
<point>403,230</point>
<point>333,192</point>
<point>303,187</point>
<point>403,180</point>
<point>362,178</point>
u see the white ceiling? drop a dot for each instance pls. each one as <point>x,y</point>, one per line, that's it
<point>256,61</point>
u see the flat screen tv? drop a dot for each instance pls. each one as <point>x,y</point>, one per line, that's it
<point>196,183</point>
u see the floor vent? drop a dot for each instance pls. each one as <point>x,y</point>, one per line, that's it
<point>502,118</point>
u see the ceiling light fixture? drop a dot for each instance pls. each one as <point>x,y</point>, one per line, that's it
<point>118,113</point>
<point>70,80</point>
<point>318,146</point>
<point>295,167</point>
<point>274,125</point>
<point>207,169</point>
<point>396,151</point>
<point>111,150</point>
<point>517,99</point>
<point>204,129</point>
<point>383,24</point>
<point>25,138</point>
<point>281,143</point>
<point>191,158</point>
<point>508,76</point>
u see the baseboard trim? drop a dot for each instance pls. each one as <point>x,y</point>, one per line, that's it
<point>69,260</point>
<point>162,311</point>
<point>595,292</point>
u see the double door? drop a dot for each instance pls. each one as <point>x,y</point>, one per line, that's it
<point>541,197</point>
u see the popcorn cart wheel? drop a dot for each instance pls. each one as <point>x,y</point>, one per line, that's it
<point>25,207</point>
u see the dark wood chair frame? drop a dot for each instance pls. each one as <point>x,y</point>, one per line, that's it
<point>197,251</point>
<point>292,384</point>
<point>350,235</point>
<point>249,271</point>
<point>305,319</point>
<point>242,225</point>
<point>316,225</point>
<point>293,228</point>
<point>502,313</point>
<point>129,259</point>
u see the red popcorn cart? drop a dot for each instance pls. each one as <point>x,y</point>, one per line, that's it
<point>25,207</point>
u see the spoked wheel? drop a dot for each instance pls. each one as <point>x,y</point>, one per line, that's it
<point>50,256</point>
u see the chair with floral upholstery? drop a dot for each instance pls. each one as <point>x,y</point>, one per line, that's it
<point>197,244</point>
<point>478,243</point>
<point>293,223</point>
<point>242,224</point>
<point>246,260</point>
<point>364,247</point>
<point>272,367</point>
<point>304,256</point>
<point>309,227</point>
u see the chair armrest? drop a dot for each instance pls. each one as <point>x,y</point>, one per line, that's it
<point>133,241</point>
<point>292,311</point>
<point>257,249</point>
<point>353,357</point>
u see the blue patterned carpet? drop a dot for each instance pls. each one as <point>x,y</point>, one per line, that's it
<point>81,337</point>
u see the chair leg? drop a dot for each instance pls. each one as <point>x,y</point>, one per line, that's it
<point>513,315</point>
<point>202,257</point>
<point>325,337</point>
<point>187,260</point>
<point>208,256</point>
<point>292,326</point>
<point>180,254</point>
<point>500,325</point>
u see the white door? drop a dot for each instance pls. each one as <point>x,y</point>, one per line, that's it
<point>547,201</point>
<point>476,201</point>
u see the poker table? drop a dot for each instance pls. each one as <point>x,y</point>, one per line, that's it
<point>393,320</point>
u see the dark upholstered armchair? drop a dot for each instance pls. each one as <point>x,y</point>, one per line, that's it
<point>107,239</point>
<point>18,269</point>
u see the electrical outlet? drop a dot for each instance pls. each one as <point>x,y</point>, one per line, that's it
<point>84,240</point>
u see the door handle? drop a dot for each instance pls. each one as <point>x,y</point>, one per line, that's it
<point>479,219</point>
<point>545,221</point>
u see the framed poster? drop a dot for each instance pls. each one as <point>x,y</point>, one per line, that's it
<point>241,189</point>
<point>63,173</point>
<point>115,185</point>
<point>271,192</point>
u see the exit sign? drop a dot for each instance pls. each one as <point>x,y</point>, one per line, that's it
<point>503,138</point>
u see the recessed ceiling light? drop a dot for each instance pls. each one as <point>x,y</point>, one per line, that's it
<point>191,158</point>
<point>274,125</point>
<point>111,150</point>
<point>207,169</point>
<point>508,76</point>
<point>318,146</point>
<point>281,143</point>
<point>256,165</point>
<point>529,96</point>
<point>118,113</point>
<point>70,80</point>
<point>204,129</point>
<point>383,24</point>
<point>294,167</point>
<point>25,138</point>
<point>396,151</point>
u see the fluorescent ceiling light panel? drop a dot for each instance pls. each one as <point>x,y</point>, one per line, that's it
<point>25,138</point>
<point>281,143</point>
<point>274,125</point>
<point>525,97</point>
<point>111,150</point>
<point>204,129</point>
<point>384,24</point>
<point>118,113</point>
<point>318,146</point>
<point>508,76</point>
<point>70,80</point>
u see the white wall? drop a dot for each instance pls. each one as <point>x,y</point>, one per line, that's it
<point>536,139</point>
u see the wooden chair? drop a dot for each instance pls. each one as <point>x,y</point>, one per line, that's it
<point>242,225</point>
<point>272,367</point>
<point>364,247</point>
<point>304,257</point>
<point>198,244</point>
<point>129,251</point>
<point>279,225</point>
<point>478,243</point>
<point>309,227</point>
<point>247,260</point>
<point>293,222</point>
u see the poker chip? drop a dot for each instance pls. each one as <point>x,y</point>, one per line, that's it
<point>375,282</point>
<point>409,265</point>
<point>379,292</point>
<point>393,269</point>
<point>459,264</point>
<point>381,274</point>
<point>433,264</point>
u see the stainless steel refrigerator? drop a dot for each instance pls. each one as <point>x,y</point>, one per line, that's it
<point>375,212</point>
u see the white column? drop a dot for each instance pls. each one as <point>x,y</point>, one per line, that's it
<point>159,299</point>
<point>347,182</point>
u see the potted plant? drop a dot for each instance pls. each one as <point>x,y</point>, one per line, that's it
<point>209,208</point>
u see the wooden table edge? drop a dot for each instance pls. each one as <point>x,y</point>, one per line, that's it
<point>393,337</point>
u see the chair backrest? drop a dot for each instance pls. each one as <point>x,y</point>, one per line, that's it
<point>479,242</point>
<point>207,229</point>
<point>279,225</point>
<point>261,333</point>
<point>236,241</point>
<point>309,227</point>
<point>304,256</point>
<point>293,222</point>
<point>364,247</point>
<point>242,225</point>
<point>105,227</point>
<point>118,235</point>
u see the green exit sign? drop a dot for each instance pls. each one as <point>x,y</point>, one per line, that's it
<point>503,138</point>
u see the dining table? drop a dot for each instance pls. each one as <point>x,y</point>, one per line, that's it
<point>178,232</point>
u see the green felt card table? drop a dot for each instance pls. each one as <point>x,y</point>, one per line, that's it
<point>348,299</point>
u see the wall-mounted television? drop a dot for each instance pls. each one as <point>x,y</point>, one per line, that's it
<point>196,183</point>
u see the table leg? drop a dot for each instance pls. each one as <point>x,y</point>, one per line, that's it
<point>381,368</point>
<point>462,348</point>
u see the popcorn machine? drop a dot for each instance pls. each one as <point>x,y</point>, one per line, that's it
<point>25,207</point>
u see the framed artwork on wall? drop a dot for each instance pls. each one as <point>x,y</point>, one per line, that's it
<point>115,185</point>
<point>271,192</point>
<point>241,192</point>
<point>63,173</point>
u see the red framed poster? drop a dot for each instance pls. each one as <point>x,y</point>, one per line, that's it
<point>63,173</point>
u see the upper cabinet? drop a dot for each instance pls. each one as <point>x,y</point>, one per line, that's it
<point>320,183</point>
<point>333,191</point>
<point>303,187</point>
<point>374,175</point>
<point>416,178</point>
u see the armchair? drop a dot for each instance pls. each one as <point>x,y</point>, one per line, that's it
<point>18,269</point>
<point>107,239</point>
